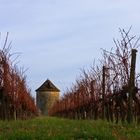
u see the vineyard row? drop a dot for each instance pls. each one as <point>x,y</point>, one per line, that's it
<point>107,91</point>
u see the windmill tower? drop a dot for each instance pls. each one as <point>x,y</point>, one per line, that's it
<point>46,95</point>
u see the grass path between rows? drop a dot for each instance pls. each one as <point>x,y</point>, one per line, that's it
<point>51,128</point>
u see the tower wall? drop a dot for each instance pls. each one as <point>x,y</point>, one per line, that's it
<point>45,99</point>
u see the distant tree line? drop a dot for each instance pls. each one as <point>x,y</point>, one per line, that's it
<point>109,90</point>
<point>16,101</point>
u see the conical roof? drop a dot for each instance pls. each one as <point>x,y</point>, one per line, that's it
<point>48,86</point>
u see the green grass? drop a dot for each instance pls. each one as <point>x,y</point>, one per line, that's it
<point>49,128</point>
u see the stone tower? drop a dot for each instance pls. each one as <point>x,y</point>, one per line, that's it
<point>46,95</point>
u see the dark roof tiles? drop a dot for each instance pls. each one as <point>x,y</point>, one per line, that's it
<point>48,86</point>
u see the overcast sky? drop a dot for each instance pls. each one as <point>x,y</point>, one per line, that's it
<point>57,38</point>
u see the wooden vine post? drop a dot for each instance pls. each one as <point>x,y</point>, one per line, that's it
<point>131,86</point>
<point>103,92</point>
